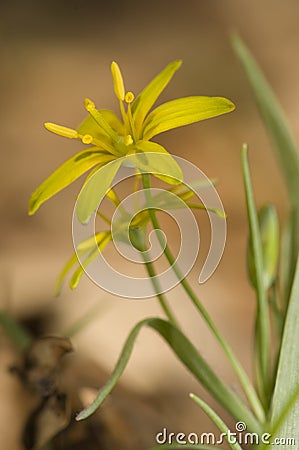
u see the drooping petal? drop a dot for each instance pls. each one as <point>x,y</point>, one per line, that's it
<point>156,160</point>
<point>183,191</point>
<point>184,111</point>
<point>150,93</point>
<point>60,279</point>
<point>95,189</point>
<point>105,238</point>
<point>68,172</point>
<point>91,244</point>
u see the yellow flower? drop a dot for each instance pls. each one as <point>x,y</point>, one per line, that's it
<point>112,140</point>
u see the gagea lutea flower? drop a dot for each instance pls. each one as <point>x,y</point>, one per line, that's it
<point>111,140</point>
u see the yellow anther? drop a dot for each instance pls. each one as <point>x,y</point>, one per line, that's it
<point>89,105</point>
<point>87,139</point>
<point>118,81</point>
<point>61,131</point>
<point>128,140</point>
<point>129,97</point>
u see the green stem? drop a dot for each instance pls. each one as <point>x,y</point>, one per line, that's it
<point>217,420</point>
<point>239,371</point>
<point>262,315</point>
<point>139,241</point>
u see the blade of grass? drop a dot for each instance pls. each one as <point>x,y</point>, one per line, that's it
<point>282,139</point>
<point>190,357</point>
<point>216,419</point>
<point>287,380</point>
<point>262,315</point>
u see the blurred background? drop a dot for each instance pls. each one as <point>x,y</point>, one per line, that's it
<point>53,55</point>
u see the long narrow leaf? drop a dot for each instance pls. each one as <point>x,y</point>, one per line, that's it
<point>283,141</point>
<point>216,419</point>
<point>190,357</point>
<point>287,380</point>
<point>273,116</point>
<point>262,319</point>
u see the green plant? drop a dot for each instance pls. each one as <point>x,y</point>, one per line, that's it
<point>271,402</point>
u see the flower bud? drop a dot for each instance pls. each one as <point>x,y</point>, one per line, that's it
<point>269,230</point>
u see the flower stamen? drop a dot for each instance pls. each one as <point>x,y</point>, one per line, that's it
<point>99,119</point>
<point>118,81</point>
<point>128,140</point>
<point>61,131</point>
<point>129,98</point>
<point>87,139</point>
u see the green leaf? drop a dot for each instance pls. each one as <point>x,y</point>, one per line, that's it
<point>283,141</point>
<point>95,189</point>
<point>262,319</point>
<point>287,380</point>
<point>68,172</point>
<point>216,419</point>
<point>285,267</point>
<point>156,160</point>
<point>274,119</point>
<point>190,357</point>
<point>151,92</point>
<point>184,111</point>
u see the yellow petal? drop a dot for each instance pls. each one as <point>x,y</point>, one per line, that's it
<point>184,111</point>
<point>156,160</point>
<point>150,93</point>
<point>65,174</point>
